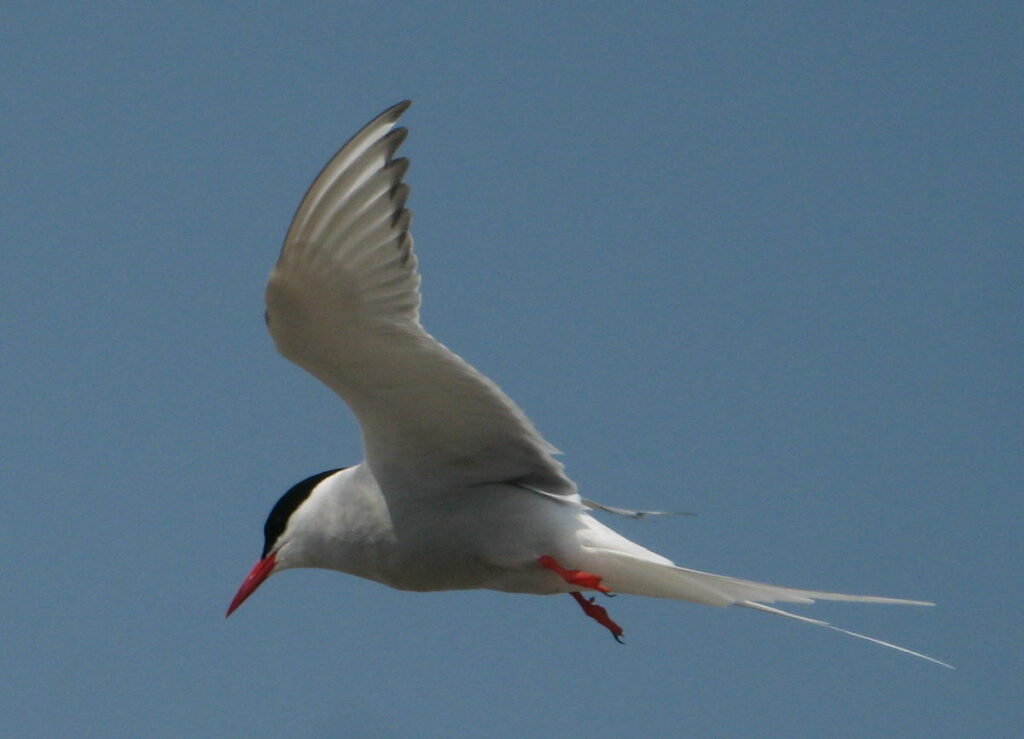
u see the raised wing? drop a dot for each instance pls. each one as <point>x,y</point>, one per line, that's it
<point>343,303</point>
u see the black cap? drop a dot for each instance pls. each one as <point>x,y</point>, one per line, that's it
<point>285,507</point>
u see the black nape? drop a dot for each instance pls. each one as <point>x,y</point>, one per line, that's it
<point>285,507</point>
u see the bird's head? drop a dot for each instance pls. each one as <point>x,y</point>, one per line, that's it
<point>276,536</point>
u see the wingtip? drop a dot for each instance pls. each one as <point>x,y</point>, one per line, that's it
<point>388,116</point>
<point>394,138</point>
<point>629,513</point>
<point>397,109</point>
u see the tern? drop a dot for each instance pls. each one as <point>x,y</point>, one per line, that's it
<point>458,490</point>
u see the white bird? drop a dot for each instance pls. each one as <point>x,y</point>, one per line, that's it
<point>458,489</point>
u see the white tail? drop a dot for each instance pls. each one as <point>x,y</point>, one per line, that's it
<point>637,575</point>
<point>817,622</point>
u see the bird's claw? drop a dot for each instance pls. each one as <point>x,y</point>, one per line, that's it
<point>599,614</point>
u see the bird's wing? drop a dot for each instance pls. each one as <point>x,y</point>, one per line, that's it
<point>343,303</point>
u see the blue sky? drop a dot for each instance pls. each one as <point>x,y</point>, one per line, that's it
<point>761,262</point>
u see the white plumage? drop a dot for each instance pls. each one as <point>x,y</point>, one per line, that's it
<point>458,489</point>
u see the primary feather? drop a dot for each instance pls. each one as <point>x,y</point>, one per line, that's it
<point>343,303</point>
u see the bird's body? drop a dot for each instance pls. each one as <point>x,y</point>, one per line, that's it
<point>489,536</point>
<point>458,490</point>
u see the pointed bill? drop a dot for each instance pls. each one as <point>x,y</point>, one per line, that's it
<point>252,581</point>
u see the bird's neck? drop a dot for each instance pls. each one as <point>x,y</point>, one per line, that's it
<point>344,525</point>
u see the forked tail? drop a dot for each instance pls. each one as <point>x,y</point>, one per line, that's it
<point>817,622</point>
<point>659,578</point>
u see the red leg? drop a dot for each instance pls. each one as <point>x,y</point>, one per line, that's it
<point>587,580</point>
<point>599,614</point>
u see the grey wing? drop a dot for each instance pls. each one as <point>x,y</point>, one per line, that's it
<point>343,303</point>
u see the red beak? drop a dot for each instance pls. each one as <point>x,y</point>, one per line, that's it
<point>252,581</point>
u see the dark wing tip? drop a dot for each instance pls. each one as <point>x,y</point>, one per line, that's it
<point>393,139</point>
<point>401,220</point>
<point>396,110</point>
<point>399,194</point>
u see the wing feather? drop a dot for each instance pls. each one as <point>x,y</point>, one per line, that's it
<point>343,303</point>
